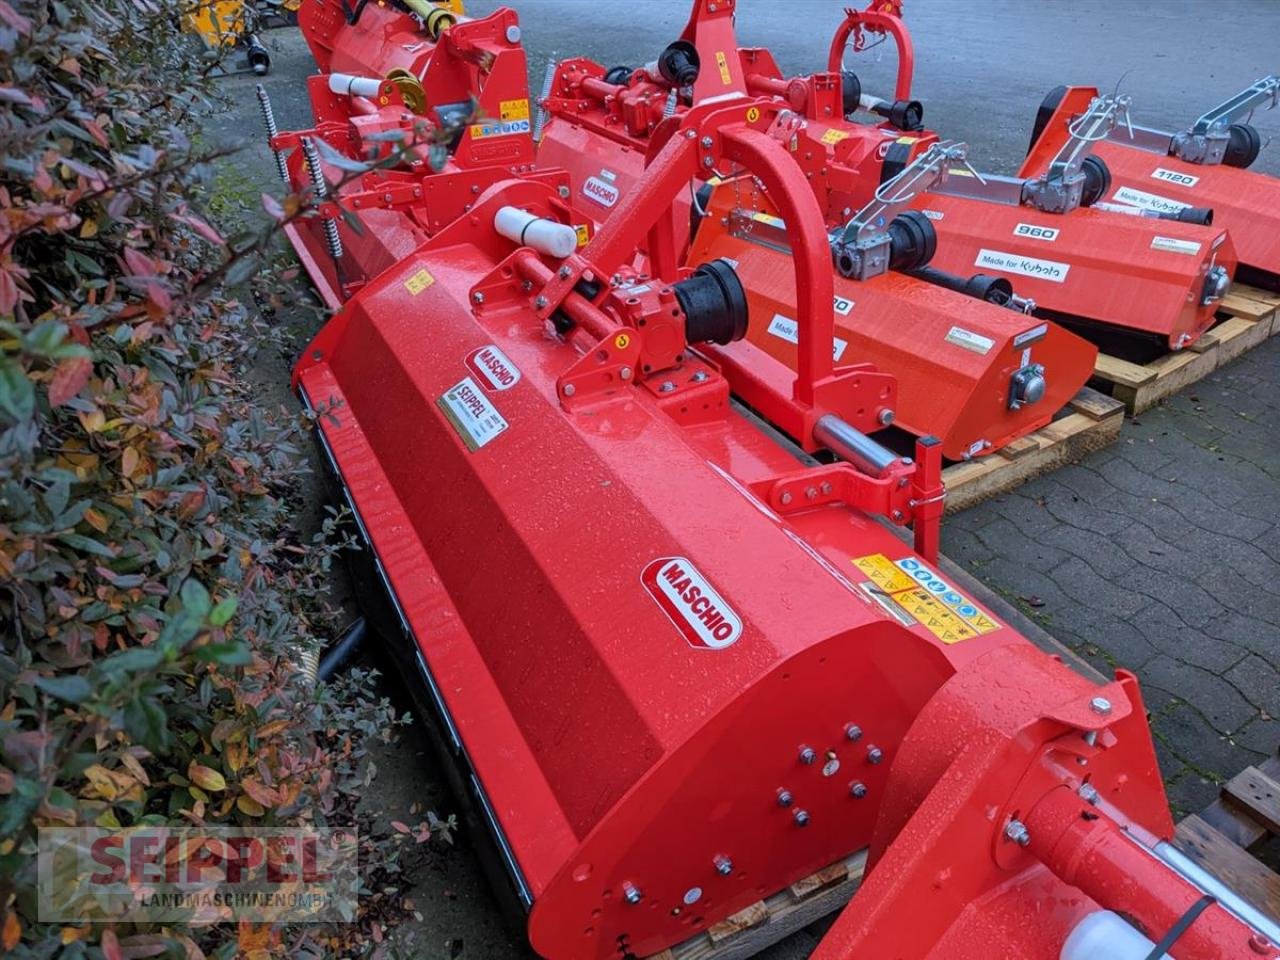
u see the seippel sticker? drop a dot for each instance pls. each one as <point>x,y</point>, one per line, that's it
<point>505,128</point>
<point>723,63</point>
<point>1148,201</point>
<point>692,605</point>
<point>784,328</point>
<point>1050,270</point>
<point>605,194</point>
<point>969,340</point>
<point>1173,176</point>
<point>1174,245</point>
<point>475,418</point>
<point>493,368</point>
<point>925,597</point>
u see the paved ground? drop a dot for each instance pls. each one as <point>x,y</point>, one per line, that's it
<point>1161,554</point>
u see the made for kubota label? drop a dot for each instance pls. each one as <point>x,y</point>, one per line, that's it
<point>475,418</point>
<point>1050,270</point>
<point>784,328</point>
<point>925,597</point>
<point>1148,201</point>
<point>691,603</point>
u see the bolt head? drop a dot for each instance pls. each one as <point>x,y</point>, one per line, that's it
<point>825,488</point>
<point>874,754</point>
<point>811,493</point>
<point>1016,831</point>
<point>700,377</point>
<point>852,732</point>
<point>563,273</point>
<point>857,790</point>
<point>706,143</point>
<point>477,297</point>
<point>1100,706</point>
<point>807,755</point>
<point>885,417</point>
<point>667,386</point>
<point>564,192</point>
<point>786,497</point>
<point>784,798</point>
<point>724,866</point>
<point>801,818</point>
<point>625,373</point>
<point>540,302</point>
<point>631,893</point>
<point>570,389</point>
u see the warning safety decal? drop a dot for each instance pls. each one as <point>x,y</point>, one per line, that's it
<point>919,592</point>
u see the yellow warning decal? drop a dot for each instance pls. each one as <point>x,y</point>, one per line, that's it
<point>513,109</point>
<point>908,140</point>
<point>923,594</point>
<point>584,235</point>
<point>419,282</point>
<point>753,114</point>
<point>834,136</point>
<point>882,572</point>
<point>723,63</point>
<point>934,615</point>
<point>622,341</point>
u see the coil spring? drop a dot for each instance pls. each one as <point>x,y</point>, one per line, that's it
<point>269,120</point>
<point>321,190</point>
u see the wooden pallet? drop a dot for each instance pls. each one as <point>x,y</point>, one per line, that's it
<point>1088,423</point>
<point>1244,818</point>
<point>1248,318</point>
<point>767,921</point>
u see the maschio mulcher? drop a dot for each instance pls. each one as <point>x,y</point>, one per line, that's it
<point>646,576</point>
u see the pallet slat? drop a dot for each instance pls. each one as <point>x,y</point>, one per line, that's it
<point>1253,792</point>
<point>1091,421</point>
<point>1252,316</point>
<point>767,921</point>
<point>1230,864</point>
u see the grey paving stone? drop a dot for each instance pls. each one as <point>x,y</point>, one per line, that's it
<point>1166,632</point>
<point>1259,681</point>
<point>1185,733</point>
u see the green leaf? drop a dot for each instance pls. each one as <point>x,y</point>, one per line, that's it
<point>86,545</point>
<point>72,688</point>
<point>195,598</point>
<point>128,661</point>
<point>221,615</point>
<point>20,805</point>
<point>17,394</point>
<point>146,723</point>
<point>233,654</point>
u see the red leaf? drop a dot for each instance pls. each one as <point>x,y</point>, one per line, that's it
<point>272,206</point>
<point>399,827</point>
<point>140,265</point>
<point>110,945</point>
<point>10,16</point>
<point>69,379</point>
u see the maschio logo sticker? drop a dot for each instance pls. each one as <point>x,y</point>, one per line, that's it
<point>691,603</point>
<point>493,367</point>
<point>605,194</point>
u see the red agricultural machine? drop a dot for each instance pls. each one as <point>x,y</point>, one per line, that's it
<point>1106,268</point>
<point>646,574</point>
<point>973,367</point>
<point>1200,166</point>
<point>417,110</point>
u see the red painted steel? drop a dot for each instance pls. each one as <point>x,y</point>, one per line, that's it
<point>1245,202</point>
<point>954,362</point>
<point>400,204</point>
<point>1133,273</point>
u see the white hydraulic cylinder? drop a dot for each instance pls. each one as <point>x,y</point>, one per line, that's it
<point>348,85</point>
<point>1104,935</point>
<point>546,236</point>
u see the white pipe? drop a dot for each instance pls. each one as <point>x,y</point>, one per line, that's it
<point>1104,935</point>
<point>545,236</point>
<point>346,85</point>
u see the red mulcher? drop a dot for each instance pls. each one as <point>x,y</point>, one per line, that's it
<point>679,661</point>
